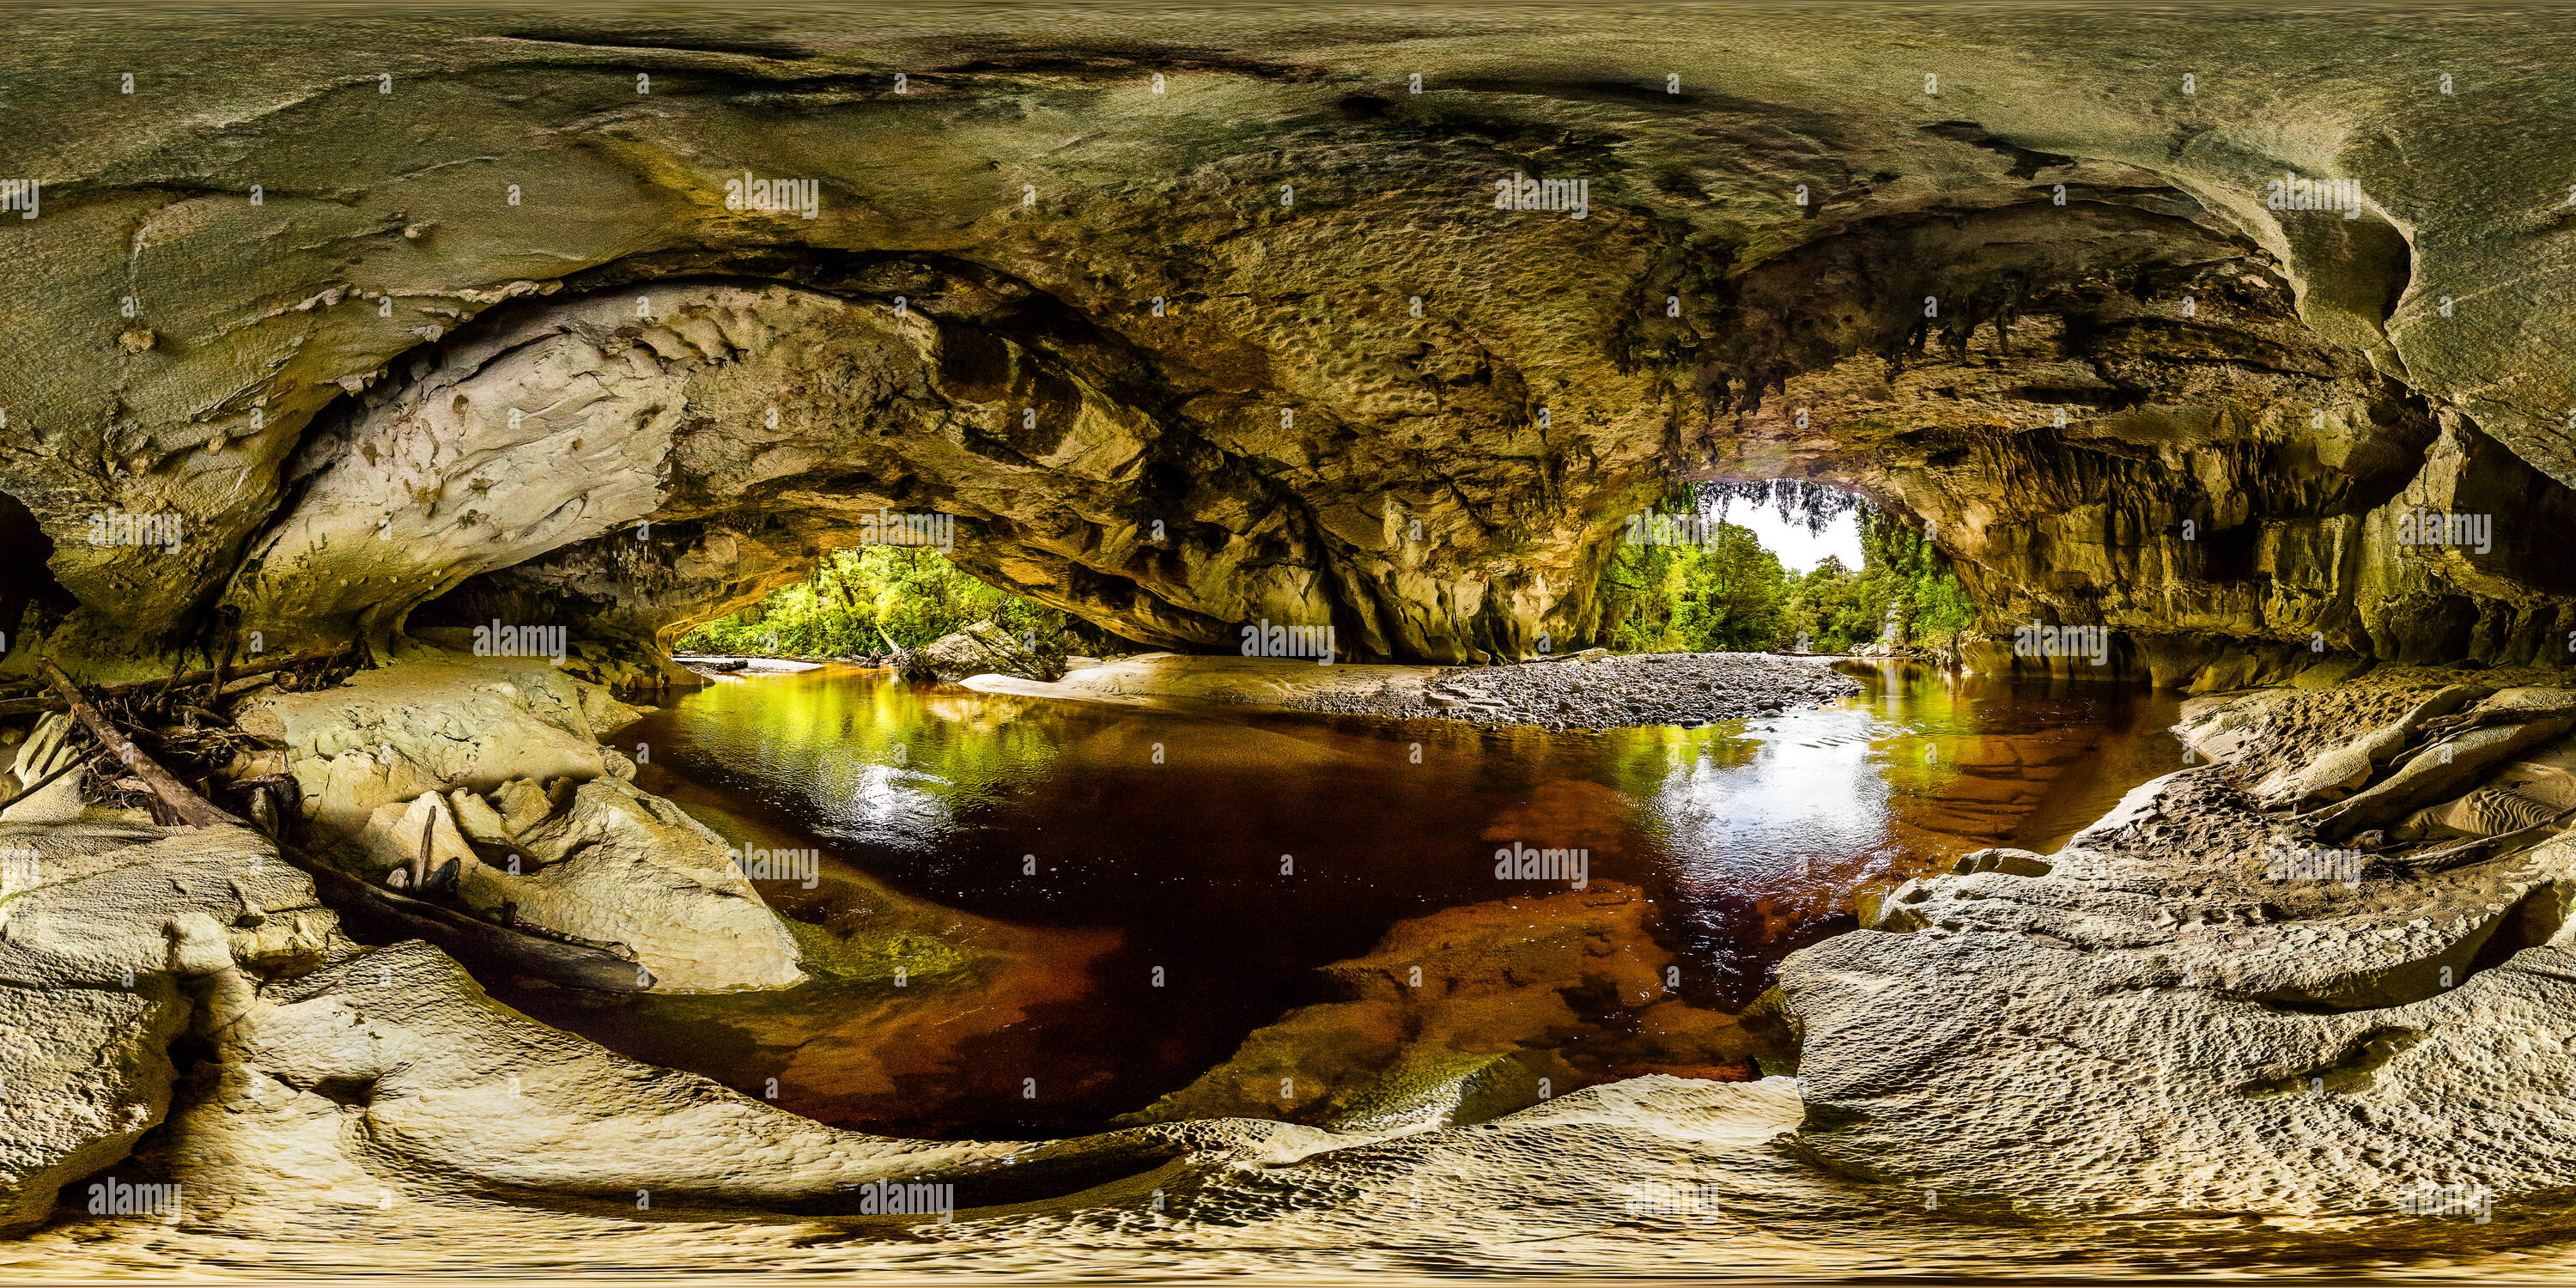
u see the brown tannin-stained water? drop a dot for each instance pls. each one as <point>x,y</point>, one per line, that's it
<point>1031,916</point>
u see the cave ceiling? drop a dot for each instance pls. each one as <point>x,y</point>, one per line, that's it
<point>1196,320</point>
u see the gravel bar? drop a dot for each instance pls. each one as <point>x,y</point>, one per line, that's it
<point>1607,691</point>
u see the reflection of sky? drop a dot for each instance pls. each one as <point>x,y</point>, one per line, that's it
<point>1801,786</point>
<point>1748,833</point>
<point>884,803</point>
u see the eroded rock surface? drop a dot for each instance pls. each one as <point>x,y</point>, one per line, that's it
<point>2199,1007</point>
<point>511,750</point>
<point>1261,346</point>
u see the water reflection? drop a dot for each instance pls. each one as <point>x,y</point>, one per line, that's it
<point>1120,895</point>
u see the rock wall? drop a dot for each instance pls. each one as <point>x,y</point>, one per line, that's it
<point>1254,339</point>
<point>2345,1019</point>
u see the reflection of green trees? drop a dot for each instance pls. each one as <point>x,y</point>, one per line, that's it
<point>1933,710</point>
<point>1939,714</point>
<point>858,599</point>
<point>1637,761</point>
<point>837,732</point>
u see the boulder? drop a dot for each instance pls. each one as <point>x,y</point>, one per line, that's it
<point>984,648</point>
<point>434,723</point>
<point>615,866</point>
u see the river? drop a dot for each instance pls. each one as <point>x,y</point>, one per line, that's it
<point>1117,897</point>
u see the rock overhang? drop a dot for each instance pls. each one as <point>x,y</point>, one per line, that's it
<point>1199,250</point>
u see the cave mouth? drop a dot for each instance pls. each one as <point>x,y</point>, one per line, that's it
<point>1052,432</point>
<point>880,600</point>
<point>1779,565</point>
<point>1163,898</point>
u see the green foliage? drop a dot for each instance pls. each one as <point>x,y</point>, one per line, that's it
<point>1913,582</point>
<point>1730,594</point>
<point>1830,608</point>
<point>1722,596</point>
<point>859,598</point>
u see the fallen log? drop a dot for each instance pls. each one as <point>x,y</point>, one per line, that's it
<point>511,948</point>
<point>172,795</point>
<point>54,701</point>
<point>521,950</point>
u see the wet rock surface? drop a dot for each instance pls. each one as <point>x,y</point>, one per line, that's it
<point>2142,1037</point>
<point>1604,691</point>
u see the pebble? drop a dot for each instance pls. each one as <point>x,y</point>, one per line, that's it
<point>1610,691</point>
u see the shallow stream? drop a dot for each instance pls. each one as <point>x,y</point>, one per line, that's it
<point>1101,902</point>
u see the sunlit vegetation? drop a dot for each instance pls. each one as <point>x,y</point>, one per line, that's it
<point>1719,592</point>
<point>870,599</point>
<point>1725,593</point>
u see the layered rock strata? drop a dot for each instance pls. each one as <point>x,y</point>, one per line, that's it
<point>324,358</point>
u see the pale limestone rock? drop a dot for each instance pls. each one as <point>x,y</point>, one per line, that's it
<point>123,940</point>
<point>619,868</point>
<point>2172,1018</point>
<point>433,725</point>
<point>47,749</point>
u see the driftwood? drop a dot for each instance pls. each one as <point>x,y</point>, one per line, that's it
<point>169,793</point>
<point>516,949</point>
<point>523,950</point>
<point>54,701</point>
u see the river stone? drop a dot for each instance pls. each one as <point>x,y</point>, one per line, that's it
<point>626,867</point>
<point>617,867</point>
<point>984,648</point>
<point>610,863</point>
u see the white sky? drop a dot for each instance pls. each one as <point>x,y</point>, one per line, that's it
<point>1798,549</point>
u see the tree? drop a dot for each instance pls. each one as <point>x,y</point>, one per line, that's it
<point>858,598</point>
<point>1720,592</point>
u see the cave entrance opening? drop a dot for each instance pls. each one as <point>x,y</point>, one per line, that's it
<point>869,600</point>
<point>1780,565</point>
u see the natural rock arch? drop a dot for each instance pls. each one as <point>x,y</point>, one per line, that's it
<point>1514,381</point>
